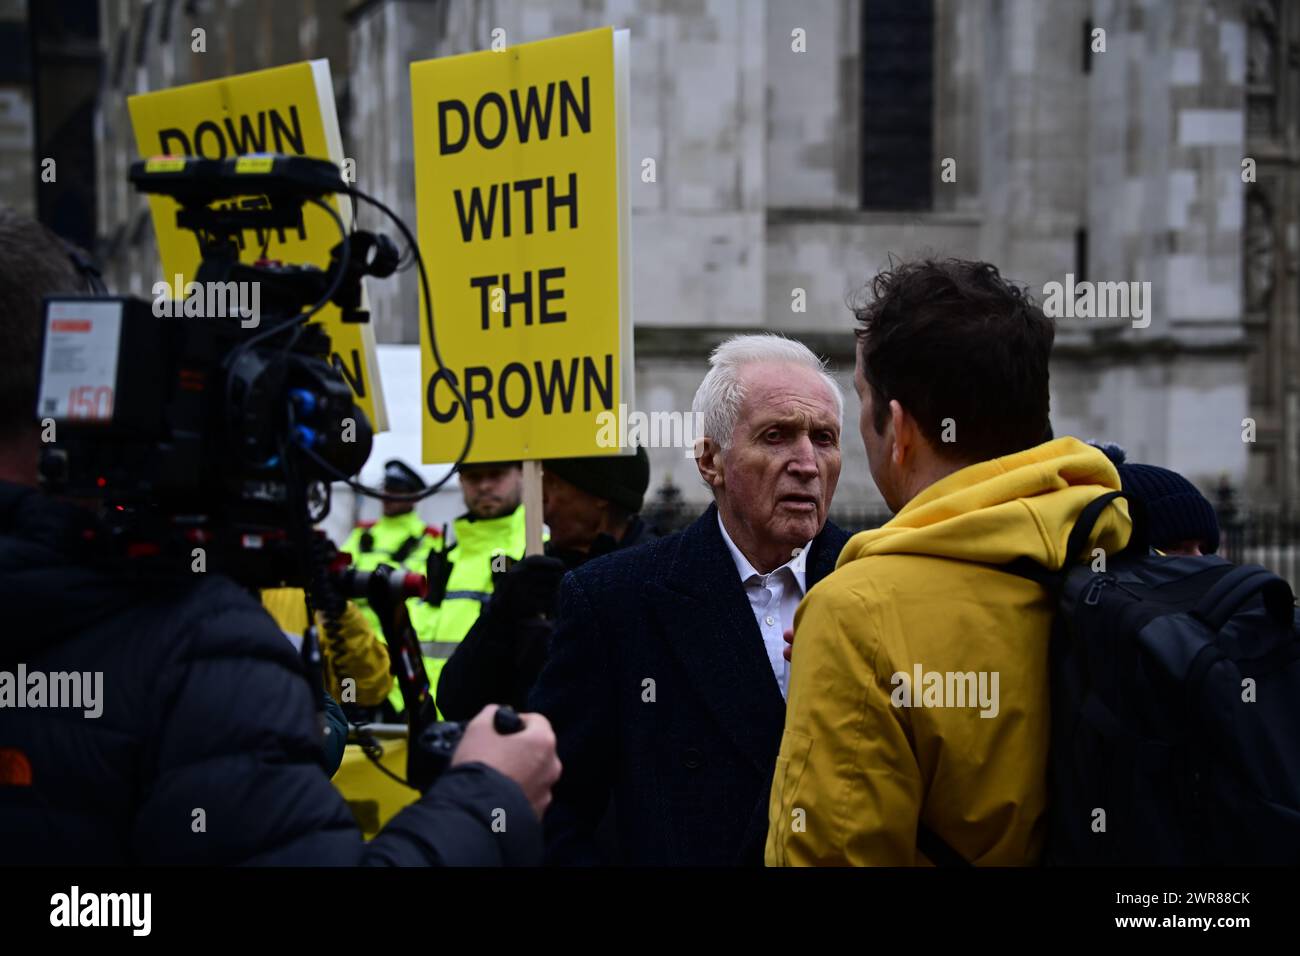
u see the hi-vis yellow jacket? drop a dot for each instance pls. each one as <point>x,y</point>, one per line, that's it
<point>868,753</point>
<point>478,541</point>
<point>399,540</point>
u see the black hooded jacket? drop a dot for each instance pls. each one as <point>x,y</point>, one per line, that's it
<point>206,748</point>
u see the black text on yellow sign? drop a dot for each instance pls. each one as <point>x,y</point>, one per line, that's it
<point>522,221</point>
<point>289,109</point>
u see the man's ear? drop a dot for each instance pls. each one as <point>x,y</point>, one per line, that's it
<point>905,434</point>
<point>709,462</point>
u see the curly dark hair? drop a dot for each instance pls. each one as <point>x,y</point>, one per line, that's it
<point>953,339</point>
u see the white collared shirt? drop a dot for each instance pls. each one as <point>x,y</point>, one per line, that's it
<point>773,598</point>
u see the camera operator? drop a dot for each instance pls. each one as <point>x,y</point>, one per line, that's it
<point>203,746</point>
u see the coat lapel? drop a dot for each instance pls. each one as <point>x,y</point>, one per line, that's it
<point>707,620</point>
<point>823,554</point>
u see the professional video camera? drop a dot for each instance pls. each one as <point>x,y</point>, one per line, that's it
<point>201,432</point>
<point>210,434</point>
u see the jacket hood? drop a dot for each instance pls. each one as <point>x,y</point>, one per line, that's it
<point>47,596</point>
<point>993,512</point>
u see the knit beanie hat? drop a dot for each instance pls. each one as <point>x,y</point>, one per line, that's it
<point>619,479</point>
<point>1176,511</point>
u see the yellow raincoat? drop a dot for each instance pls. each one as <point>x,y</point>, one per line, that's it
<point>360,655</point>
<point>868,752</point>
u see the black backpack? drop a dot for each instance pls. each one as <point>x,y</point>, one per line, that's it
<point>1175,709</point>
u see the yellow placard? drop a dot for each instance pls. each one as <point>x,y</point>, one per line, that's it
<point>523,227</point>
<point>289,109</point>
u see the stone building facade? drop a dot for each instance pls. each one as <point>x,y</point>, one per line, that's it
<point>798,145</point>
<point>152,45</point>
<point>1271,243</point>
<point>17,120</point>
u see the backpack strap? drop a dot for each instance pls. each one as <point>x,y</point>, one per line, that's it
<point>1238,586</point>
<point>927,841</point>
<point>1080,535</point>
<point>1024,567</point>
<point>937,851</point>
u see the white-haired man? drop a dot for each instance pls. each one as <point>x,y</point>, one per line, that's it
<point>666,681</point>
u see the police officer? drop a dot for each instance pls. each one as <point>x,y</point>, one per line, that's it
<point>399,538</point>
<point>487,538</point>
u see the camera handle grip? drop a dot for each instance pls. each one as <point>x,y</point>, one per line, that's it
<point>506,721</point>
<point>433,744</point>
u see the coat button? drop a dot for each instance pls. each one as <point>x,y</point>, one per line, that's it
<point>692,758</point>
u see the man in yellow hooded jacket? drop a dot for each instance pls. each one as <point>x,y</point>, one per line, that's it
<point>919,682</point>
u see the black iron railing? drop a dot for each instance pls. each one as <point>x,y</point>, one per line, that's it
<point>1269,538</point>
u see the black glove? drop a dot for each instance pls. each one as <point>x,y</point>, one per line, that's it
<point>324,596</point>
<point>528,590</point>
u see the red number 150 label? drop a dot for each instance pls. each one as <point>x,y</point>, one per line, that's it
<point>89,401</point>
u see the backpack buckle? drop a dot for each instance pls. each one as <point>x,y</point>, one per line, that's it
<point>1092,597</point>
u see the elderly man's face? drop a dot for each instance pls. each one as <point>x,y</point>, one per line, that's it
<point>775,480</point>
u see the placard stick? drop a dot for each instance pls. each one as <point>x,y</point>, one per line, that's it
<point>532,507</point>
